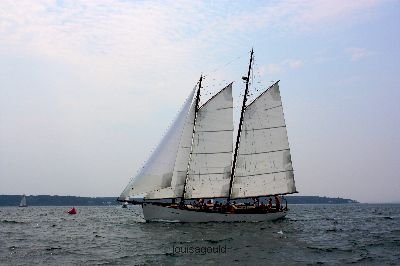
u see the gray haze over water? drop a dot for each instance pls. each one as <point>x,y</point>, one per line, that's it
<point>329,234</point>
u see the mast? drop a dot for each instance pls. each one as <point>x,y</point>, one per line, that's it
<point>196,110</point>
<point>240,125</point>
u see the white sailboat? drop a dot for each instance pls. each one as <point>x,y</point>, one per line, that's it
<point>23,202</point>
<point>198,159</point>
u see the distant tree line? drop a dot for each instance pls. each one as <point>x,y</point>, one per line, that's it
<point>317,200</point>
<point>47,200</point>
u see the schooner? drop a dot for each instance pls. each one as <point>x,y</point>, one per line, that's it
<point>198,160</point>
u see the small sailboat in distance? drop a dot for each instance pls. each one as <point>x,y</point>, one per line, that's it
<point>23,202</point>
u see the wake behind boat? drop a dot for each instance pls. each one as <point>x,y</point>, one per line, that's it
<point>195,162</point>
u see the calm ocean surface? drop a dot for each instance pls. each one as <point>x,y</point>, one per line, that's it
<point>310,234</point>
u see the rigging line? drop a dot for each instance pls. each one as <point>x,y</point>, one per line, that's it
<point>226,87</point>
<point>264,128</point>
<point>273,107</point>
<point>265,91</point>
<point>263,152</point>
<point>270,173</point>
<point>212,131</point>
<point>197,174</point>
<point>223,65</point>
<point>217,152</point>
<point>224,108</point>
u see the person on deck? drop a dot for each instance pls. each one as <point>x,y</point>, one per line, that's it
<point>256,202</point>
<point>277,203</point>
<point>201,204</point>
<point>285,209</point>
<point>269,207</point>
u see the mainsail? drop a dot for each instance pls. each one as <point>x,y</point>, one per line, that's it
<point>264,165</point>
<point>209,170</point>
<point>157,173</point>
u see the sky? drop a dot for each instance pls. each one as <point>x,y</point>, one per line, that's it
<point>88,88</point>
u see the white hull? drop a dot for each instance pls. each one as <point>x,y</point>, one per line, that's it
<point>158,213</point>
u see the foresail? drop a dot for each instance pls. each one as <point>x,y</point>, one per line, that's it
<point>264,165</point>
<point>181,162</point>
<point>158,171</point>
<point>210,164</point>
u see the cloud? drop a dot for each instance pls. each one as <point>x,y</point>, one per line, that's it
<point>150,43</point>
<point>295,16</point>
<point>124,30</point>
<point>278,68</point>
<point>358,53</point>
<point>294,63</point>
<point>318,13</point>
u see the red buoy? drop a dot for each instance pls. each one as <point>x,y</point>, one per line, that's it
<point>72,211</point>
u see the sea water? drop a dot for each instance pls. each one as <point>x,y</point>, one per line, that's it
<point>310,234</point>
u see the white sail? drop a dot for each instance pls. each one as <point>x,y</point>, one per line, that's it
<point>181,162</point>
<point>158,170</point>
<point>210,164</point>
<point>23,201</point>
<point>264,165</point>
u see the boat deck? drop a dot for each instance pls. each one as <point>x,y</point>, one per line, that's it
<point>228,209</point>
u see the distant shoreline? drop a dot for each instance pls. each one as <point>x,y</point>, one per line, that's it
<point>48,200</point>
